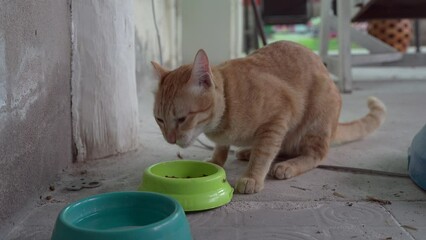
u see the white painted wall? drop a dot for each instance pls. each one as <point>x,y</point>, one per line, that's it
<point>146,42</point>
<point>104,98</point>
<point>185,26</point>
<point>216,26</point>
<point>168,26</point>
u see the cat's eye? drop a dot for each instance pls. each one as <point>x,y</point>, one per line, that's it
<point>181,120</point>
<point>159,120</point>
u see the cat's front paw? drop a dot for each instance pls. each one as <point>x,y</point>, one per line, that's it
<point>283,170</point>
<point>248,185</point>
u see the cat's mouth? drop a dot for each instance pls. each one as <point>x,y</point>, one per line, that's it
<point>184,144</point>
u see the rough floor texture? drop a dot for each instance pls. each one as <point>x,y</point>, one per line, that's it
<point>320,204</point>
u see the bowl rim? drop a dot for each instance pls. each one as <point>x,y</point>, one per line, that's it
<point>175,212</point>
<point>223,194</point>
<point>220,172</point>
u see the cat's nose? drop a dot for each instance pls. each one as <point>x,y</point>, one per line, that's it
<point>171,137</point>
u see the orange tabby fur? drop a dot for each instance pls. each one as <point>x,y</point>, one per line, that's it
<point>278,100</point>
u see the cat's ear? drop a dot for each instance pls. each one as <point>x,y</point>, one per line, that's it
<point>159,73</point>
<point>201,76</point>
<point>159,70</point>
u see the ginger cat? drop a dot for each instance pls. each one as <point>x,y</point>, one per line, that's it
<point>278,100</point>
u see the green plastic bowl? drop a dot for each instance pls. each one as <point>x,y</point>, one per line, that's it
<point>124,216</point>
<point>195,185</point>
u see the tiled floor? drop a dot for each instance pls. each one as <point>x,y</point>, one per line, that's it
<point>320,204</point>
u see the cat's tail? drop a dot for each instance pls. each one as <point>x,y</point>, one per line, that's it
<point>358,129</point>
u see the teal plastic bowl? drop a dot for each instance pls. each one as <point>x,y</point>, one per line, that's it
<point>124,216</point>
<point>417,159</point>
<point>196,185</point>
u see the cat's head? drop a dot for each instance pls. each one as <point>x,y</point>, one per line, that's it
<point>184,101</point>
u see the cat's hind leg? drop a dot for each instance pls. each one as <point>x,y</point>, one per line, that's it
<point>313,150</point>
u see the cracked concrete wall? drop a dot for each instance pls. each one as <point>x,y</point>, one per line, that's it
<point>49,47</point>
<point>35,117</point>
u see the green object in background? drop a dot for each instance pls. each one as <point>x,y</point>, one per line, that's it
<point>306,40</point>
<point>196,185</point>
<point>124,216</point>
<point>269,30</point>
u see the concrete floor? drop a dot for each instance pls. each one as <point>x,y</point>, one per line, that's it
<point>320,204</point>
